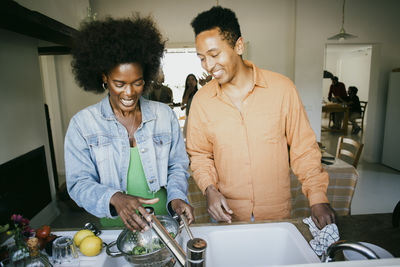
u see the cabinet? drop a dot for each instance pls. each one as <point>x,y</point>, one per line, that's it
<point>391,142</point>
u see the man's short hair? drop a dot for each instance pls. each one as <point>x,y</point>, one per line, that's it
<point>218,17</point>
<point>335,78</point>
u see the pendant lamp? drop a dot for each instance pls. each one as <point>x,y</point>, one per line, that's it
<point>342,35</point>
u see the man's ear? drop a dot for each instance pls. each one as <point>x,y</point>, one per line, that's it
<point>239,46</point>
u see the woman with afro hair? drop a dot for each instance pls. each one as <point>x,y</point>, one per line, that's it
<point>125,151</point>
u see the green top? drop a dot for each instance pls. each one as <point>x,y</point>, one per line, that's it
<point>137,186</point>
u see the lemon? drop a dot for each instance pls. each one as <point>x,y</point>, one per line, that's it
<point>80,235</point>
<point>91,246</point>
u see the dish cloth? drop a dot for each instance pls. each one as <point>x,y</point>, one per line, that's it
<point>322,238</point>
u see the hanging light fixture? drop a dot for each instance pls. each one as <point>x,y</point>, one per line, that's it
<point>342,35</point>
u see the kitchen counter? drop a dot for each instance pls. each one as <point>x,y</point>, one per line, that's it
<point>372,228</point>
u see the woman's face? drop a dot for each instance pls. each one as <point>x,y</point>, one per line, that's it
<point>191,81</point>
<point>125,83</point>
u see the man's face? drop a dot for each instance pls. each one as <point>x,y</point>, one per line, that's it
<point>216,55</point>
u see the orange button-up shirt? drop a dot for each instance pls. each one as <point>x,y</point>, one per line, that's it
<point>245,154</point>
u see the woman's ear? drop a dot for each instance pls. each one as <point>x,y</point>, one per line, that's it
<point>239,46</point>
<point>104,78</point>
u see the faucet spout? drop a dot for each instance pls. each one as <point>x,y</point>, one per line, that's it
<point>343,245</point>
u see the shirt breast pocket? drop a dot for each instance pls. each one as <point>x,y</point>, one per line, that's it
<point>162,143</point>
<point>100,146</point>
<point>270,126</point>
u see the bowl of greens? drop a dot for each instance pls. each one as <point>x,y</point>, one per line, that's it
<point>145,248</point>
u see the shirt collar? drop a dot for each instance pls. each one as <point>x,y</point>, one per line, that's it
<point>258,79</point>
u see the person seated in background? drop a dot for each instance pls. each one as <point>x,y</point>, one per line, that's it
<point>188,94</point>
<point>337,91</point>
<point>354,108</point>
<point>159,92</point>
<point>125,151</point>
<point>337,94</point>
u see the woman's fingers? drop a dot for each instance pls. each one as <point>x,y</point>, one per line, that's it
<point>148,201</point>
<point>144,213</point>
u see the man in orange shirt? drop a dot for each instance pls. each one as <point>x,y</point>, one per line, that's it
<point>240,127</point>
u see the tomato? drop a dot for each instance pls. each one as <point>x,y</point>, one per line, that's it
<point>43,232</point>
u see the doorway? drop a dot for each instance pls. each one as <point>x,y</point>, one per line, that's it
<point>351,63</point>
<point>179,61</point>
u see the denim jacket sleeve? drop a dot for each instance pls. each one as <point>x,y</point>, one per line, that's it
<point>178,162</point>
<point>83,182</point>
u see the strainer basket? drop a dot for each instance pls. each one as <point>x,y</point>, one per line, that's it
<point>155,252</point>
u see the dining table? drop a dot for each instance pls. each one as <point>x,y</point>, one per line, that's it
<point>342,182</point>
<point>329,108</point>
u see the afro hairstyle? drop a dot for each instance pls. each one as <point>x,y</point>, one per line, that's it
<point>99,46</point>
<point>218,17</point>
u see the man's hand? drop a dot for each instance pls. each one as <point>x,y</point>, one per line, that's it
<point>322,214</point>
<point>217,206</point>
<point>126,207</point>
<point>181,207</point>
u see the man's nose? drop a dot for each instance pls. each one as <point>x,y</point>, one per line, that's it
<point>209,65</point>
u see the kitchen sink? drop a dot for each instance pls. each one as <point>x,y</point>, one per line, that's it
<point>265,244</point>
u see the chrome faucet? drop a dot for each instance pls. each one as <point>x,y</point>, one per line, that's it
<point>329,255</point>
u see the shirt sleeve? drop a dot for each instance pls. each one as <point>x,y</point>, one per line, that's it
<point>305,156</point>
<point>200,149</point>
<point>82,181</point>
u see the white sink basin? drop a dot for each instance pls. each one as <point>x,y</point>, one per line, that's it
<point>265,244</point>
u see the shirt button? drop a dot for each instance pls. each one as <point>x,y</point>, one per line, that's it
<point>143,150</point>
<point>151,181</point>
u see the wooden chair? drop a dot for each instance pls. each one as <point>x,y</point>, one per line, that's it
<point>350,149</point>
<point>363,105</point>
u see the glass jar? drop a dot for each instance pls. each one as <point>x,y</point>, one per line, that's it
<point>36,259</point>
<point>19,251</point>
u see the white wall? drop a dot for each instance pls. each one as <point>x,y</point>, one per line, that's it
<point>268,25</point>
<point>375,22</point>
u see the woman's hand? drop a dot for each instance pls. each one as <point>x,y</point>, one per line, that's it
<point>204,79</point>
<point>181,207</point>
<point>127,205</point>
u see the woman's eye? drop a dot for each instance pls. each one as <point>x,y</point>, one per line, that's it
<point>139,83</point>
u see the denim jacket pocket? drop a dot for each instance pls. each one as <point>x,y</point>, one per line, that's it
<point>100,147</point>
<point>162,144</point>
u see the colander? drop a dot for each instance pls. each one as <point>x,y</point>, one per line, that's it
<point>155,254</point>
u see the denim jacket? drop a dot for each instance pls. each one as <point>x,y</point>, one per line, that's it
<point>97,154</point>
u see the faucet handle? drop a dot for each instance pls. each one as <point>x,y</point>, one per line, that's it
<point>328,256</point>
